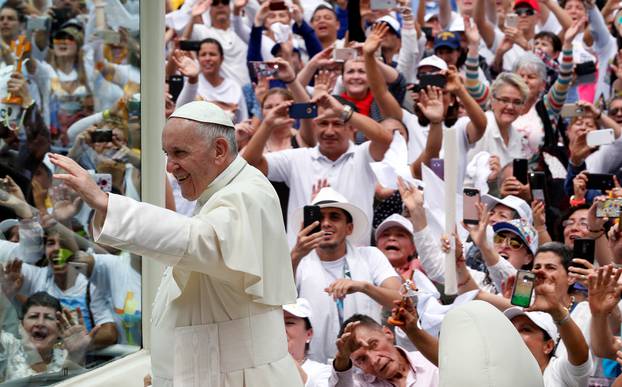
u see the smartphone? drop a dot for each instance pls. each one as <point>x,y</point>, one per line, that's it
<point>277,5</point>
<point>425,80</point>
<point>511,20</point>
<point>312,214</point>
<point>175,84</point>
<point>438,166</point>
<point>537,182</point>
<point>469,211</point>
<point>570,110</point>
<point>584,249</point>
<point>520,170</point>
<point>523,288</point>
<point>38,23</point>
<point>264,70</point>
<point>601,181</point>
<point>109,36</point>
<point>344,54</point>
<point>382,4</point>
<point>600,137</point>
<point>303,110</point>
<point>189,45</point>
<point>103,181</point>
<point>427,31</point>
<point>102,135</point>
<point>609,208</point>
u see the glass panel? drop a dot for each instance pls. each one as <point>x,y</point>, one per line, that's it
<point>69,84</point>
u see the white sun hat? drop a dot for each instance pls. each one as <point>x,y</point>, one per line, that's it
<point>301,308</point>
<point>328,197</point>
<point>203,111</point>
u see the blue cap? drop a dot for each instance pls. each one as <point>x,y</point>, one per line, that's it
<point>447,39</point>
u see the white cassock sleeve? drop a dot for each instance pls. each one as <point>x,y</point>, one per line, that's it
<point>236,237</point>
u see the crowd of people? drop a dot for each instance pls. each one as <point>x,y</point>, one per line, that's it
<point>357,112</point>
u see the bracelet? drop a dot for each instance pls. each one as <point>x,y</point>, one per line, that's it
<point>106,114</point>
<point>564,320</point>
<point>288,82</point>
<point>576,202</point>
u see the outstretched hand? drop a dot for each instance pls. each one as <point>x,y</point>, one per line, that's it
<point>79,180</point>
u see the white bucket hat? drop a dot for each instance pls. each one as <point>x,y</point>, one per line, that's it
<point>329,198</point>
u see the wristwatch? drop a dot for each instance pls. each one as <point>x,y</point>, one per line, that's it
<point>346,113</point>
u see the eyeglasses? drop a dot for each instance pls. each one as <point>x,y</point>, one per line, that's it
<point>509,101</point>
<point>615,111</point>
<point>524,12</point>
<point>515,244</point>
<point>570,223</point>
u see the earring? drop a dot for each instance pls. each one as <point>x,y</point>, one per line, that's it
<point>308,341</point>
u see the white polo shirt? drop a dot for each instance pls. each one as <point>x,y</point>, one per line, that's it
<point>301,168</point>
<point>493,143</point>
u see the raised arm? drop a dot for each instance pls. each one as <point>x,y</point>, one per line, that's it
<point>476,88</point>
<point>476,128</point>
<point>486,28</point>
<point>389,107</point>
<point>253,151</point>
<point>603,297</point>
<point>379,137</point>
<point>430,103</point>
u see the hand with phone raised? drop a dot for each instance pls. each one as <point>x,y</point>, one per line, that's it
<point>306,241</point>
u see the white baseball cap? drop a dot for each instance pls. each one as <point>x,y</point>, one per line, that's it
<point>514,202</point>
<point>543,320</point>
<point>203,111</point>
<point>395,220</point>
<point>301,308</point>
<point>433,61</point>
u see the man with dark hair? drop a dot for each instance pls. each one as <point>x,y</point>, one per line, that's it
<point>336,159</point>
<point>336,277</point>
<point>325,23</point>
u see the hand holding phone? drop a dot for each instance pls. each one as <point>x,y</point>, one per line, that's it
<point>511,20</point>
<point>310,215</point>
<point>537,183</point>
<point>520,170</point>
<point>524,285</point>
<point>583,248</point>
<point>600,137</point>
<point>303,110</point>
<point>470,199</point>
<point>600,181</point>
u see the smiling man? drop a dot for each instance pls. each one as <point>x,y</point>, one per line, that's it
<point>217,318</point>
<point>336,277</point>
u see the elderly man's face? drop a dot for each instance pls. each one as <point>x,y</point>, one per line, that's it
<point>379,357</point>
<point>190,159</point>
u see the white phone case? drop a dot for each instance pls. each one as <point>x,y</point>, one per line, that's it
<point>600,137</point>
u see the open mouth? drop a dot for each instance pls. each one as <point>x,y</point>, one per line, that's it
<point>392,248</point>
<point>182,178</point>
<point>504,255</point>
<point>39,335</point>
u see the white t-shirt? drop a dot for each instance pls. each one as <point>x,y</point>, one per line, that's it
<point>301,168</point>
<point>560,373</point>
<point>116,278</point>
<point>41,279</point>
<point>513,54</point>
<point>317,373</point>
<point>228,91</point>
<point>418,137</point>
<point>234,63</point>
<point>551,24</point>
<point>365,264</point>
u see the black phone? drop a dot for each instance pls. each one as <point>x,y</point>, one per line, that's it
<point>102,135</point>
<point>189,45</point>
<point>523,288</point>
<point>310,215</point>
<point>584,248</point>
<point>537,183</point>
<point>425,80</point>
<point>520,170</point>
<point>175,84</point>
<point>276,5</point>
<point>438,166</point>
<point>303,110</point>
<point>469,210</point>
<point>601,181</point>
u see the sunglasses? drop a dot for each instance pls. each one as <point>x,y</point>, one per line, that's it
<point>220,2</point>
<point>524,12</point>
<point>515,244</point>
<point>615,111</point>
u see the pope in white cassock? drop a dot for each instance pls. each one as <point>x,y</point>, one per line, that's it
<point>217,318</point>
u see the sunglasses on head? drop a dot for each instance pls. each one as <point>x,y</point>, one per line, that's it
<point>524,12</point>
